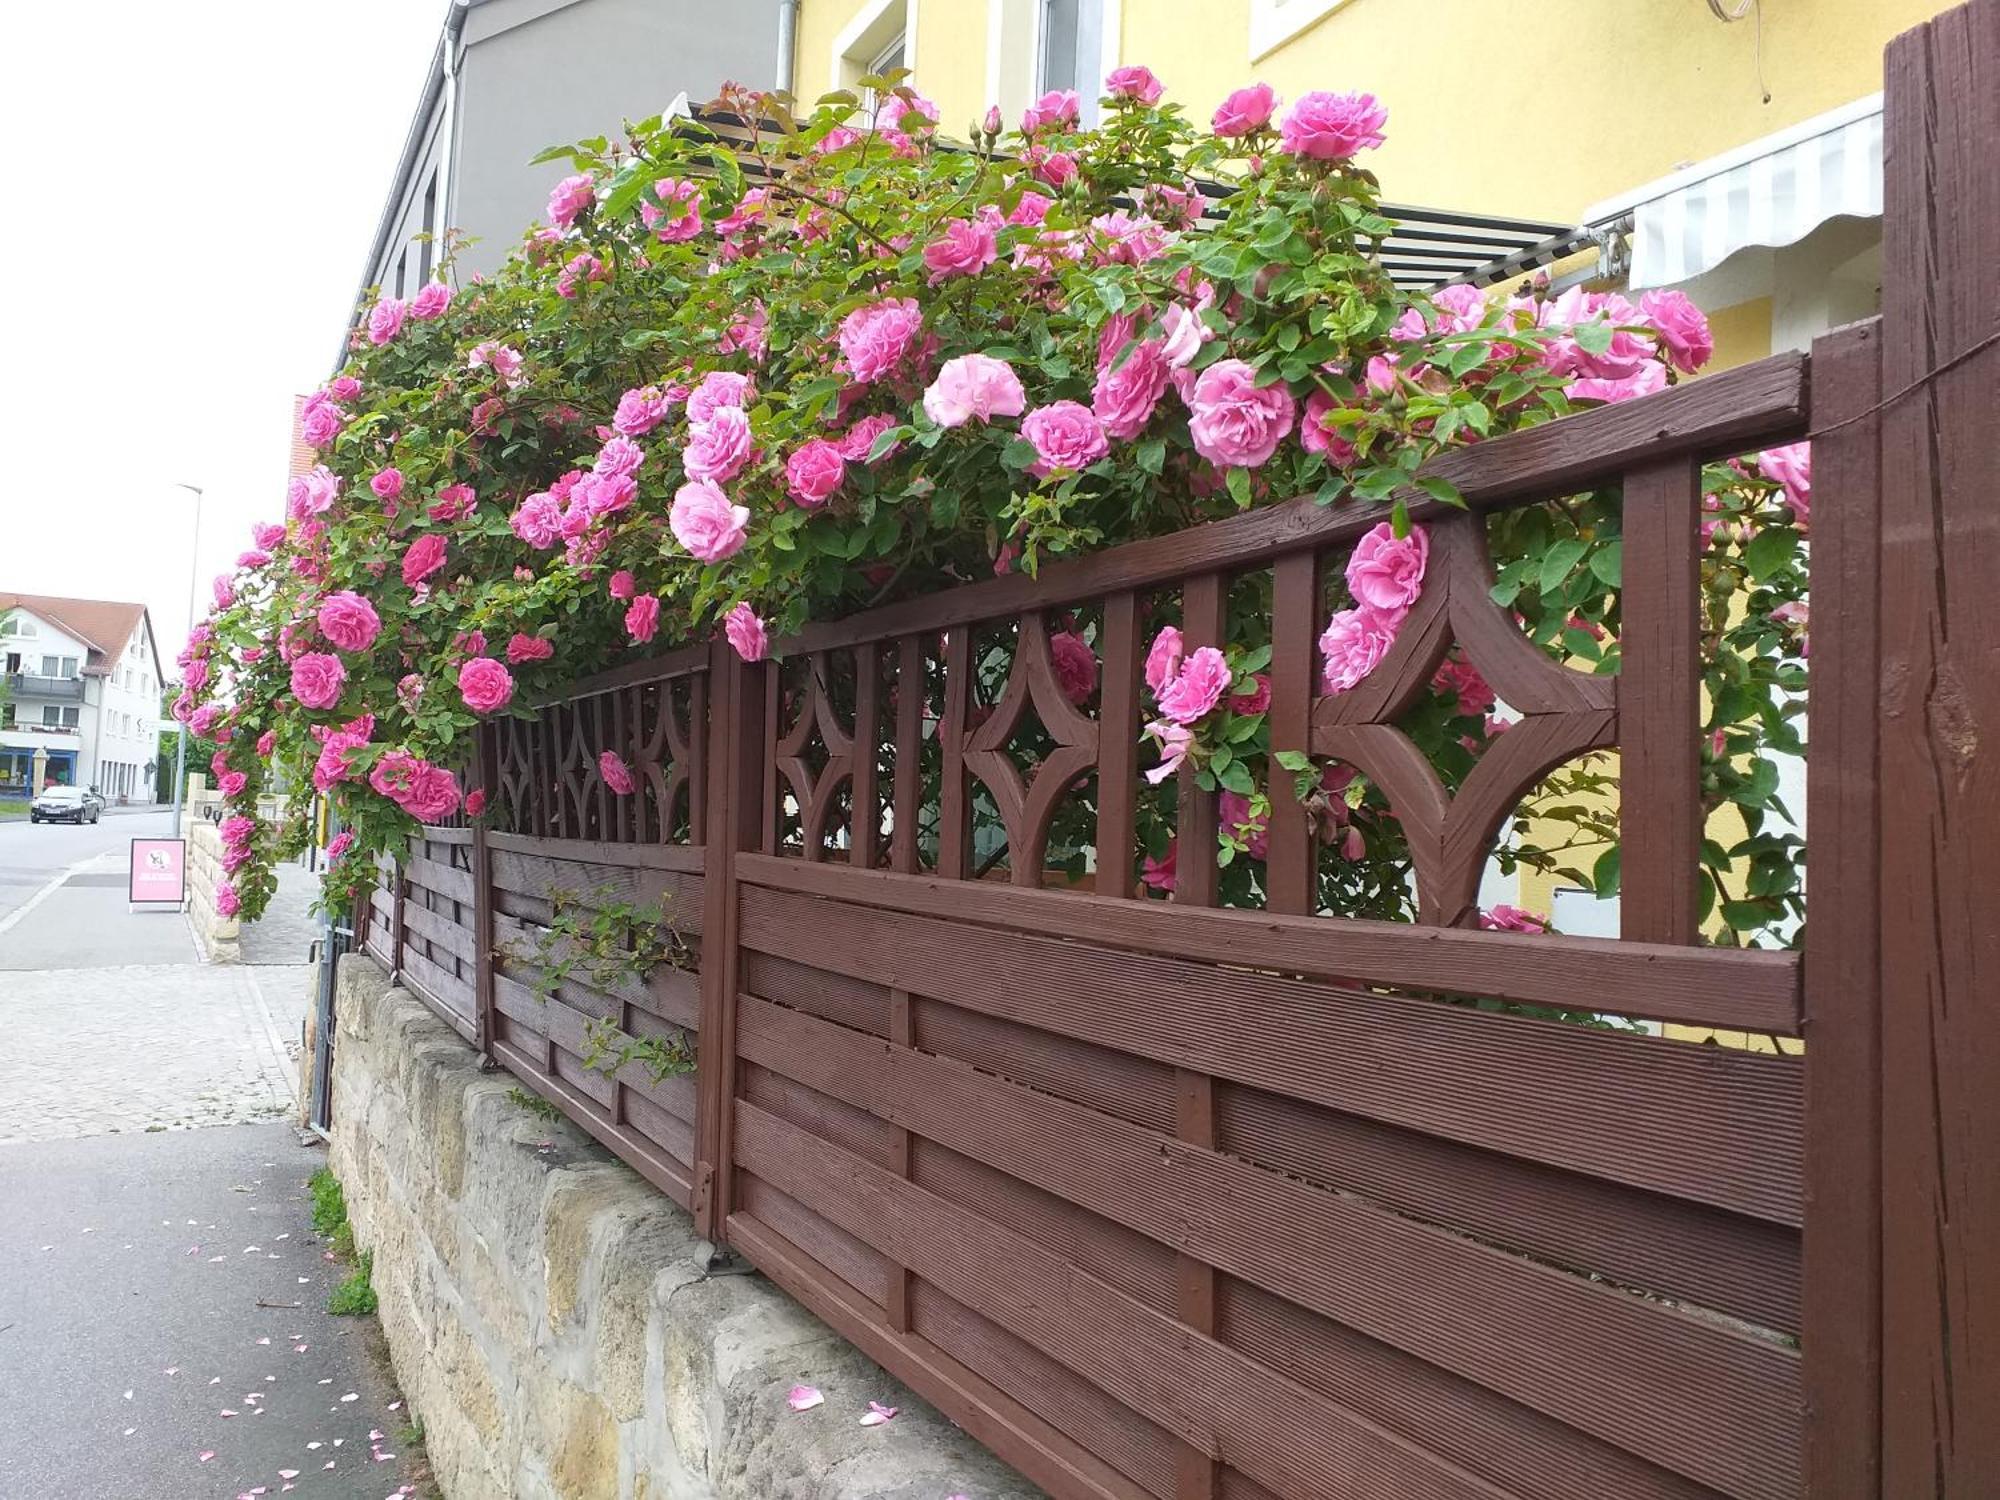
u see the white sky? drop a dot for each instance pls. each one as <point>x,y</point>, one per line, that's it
<point>195,185</point>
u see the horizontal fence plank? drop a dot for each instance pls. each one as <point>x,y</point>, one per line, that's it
<point>1712,1124</point>
<point>438,928</point>
<point>1752,406</point>
<point>437,835</point>
<point>1684,1391</point>
<point>686,858</point>
<point>1741,989</point>
<point>446,880</point>
<point>682,661</point>
<point>521,948</point>
<point>988,1414</point>
<point>595,885</point>
<point>1283,1435</point>
<point>674,1177</point>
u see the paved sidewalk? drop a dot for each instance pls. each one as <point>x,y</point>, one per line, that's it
<point>287,930</point>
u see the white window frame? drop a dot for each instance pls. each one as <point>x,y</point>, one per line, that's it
<point>869,36</point>
<point>19,627</point>
<point>1275,22</point>
<point>1015,55</point>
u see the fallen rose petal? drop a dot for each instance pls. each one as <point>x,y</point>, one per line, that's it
<point>804,1397</point>
<point>128,1395</point>
<point>352,1396</point>
<point>288,1473</point>
<point>375,1434</point>
<point>329,1463</point>
<point>172,1370</point>
<point>207,1454</point>
<point>227,1412</point>
<point>395,1406</point>
<point>877,1414</point>
<point>311,1446</point>
<point>130,1430</point>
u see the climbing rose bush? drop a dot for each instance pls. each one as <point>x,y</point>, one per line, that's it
<point>702,399</point>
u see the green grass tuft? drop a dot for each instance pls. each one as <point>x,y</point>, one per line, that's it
<point>329,1202</point>
<point>355,1297</point>
<point>534,1104</point>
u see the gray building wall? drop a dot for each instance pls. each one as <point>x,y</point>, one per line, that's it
<point>537,73</point>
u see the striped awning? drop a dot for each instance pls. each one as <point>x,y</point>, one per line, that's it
<point>1773,192</point>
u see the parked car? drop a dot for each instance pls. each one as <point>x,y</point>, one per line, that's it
<point>66,804</point>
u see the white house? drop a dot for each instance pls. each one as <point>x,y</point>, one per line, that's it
<point>83,694</point>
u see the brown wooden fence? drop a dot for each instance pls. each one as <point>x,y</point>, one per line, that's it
<point>1176,1199</point>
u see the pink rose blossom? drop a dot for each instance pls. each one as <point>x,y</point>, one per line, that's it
<point>424,557</point>
<point>522,648</point>
<point>312,493</point>
<point>619,455</point>
<point>1160,874</point>
<point>349,621</point>
<point>387,484</point>
<point>1316,436</point>
<point>1075,664</point>
<point>266,743</point>
<point>1235,423</point>
<point>1256,700</point>
<point>1648,379</point>
<point>1134,82</point>
<point>1182,334</point>
<point>339,844</point>
<point>1353,644</point>
<point>677,215</point>
<point>227,902</point>
<point>746,632</point>
<point>1056,168</point>
<point>814,472</point>
<point>906,116</point>
<point>237,829</point>
<point>1247,109</point>
<point>475,802</point>
<point>580,271</point>
<point>858,444</point>
<point>605,494</point>
<point>1467,685</point>
<point>432,793</point>
<point>1684,333</point>
<point>344,388</point>
<point>505,363</point>
<point>1174,740</point>
<point>232,783</point>
<point>1030,210</point>
<point>1332,127</point>
<point>385,320</point>
<point>223,591</point>
<point>718,448</point>
<point>617,775</point>
<point>1057,107</point>
<point>1387,573</point>
<point>410,691</point>
<point>1163,660</point>
<point>1125,397</point>
<point>320,420</point>
<point>1066,435</point>
<point>718,388</point>
<point>569,198</point>
<point>336,763</point>
<point>485,684</point>
<point>268,534</point>
<point>317,678</point>
<point>704,522</point>
<point>431,302</point>
<point>1197,687</point>
<point>642,617</point>
<point>966,249</point>
<point>1791,466</point>
<point>538,520</point>
<point>1127,239</point>
<point>974,385</point>
<point>875,340</point>
<point>1504,918</point>
<point>622,585</point>
<point>454,503</point>
<point>640,411</point>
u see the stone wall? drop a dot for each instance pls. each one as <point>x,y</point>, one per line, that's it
<point>218,936</point>
<point>550,1319</point>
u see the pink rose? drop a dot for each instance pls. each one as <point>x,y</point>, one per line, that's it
<point>336,762</point>
<point>223,590</point>
<point>1057,107</point>
<point>719,447</point>
<point>388,484</point>
<point>1684,333</point>
<point>718,388</point>
<point>1233,813</point>
<point>1257,700</point>
<point>1316,436</point>
<point>320,421</point>
<point>1387,573</point>
<point>538,520</point>
<point>1126,396</point>
<point>622,585</point>
<point>505,363</point>
<point>1159,874</point>
<point>1182,334</point>
<point>432,793</point>
<point>227,902</point>
<point>385,320</point>
<point>424,557</point>
<point>619,455</point>
<point>1066,436</point>
<point>704,522</point>
<point>746,632</point>
<point>1504,918</point>
<point>1465,683</point>
<point>1649,378</point>
<point>1127,239</point>
<point>1197,687</point>
<point>237,829</point>
<point>339,844</point>
<point>317,678</point>
<point>1134,82</point>
<point>485,684</point>
<point>475,802</point>
<point>875,340</point>
<point>974,385</point>
<point>968,247</point>
<point>268,535</point>
<point>1333,127</point>
<point>522,648</point>
<point>677,214</point>
<point>266,743</point>
<point>569,198</point>
<point>617,775</point>
<point>349,621</point>
<point>642,617</point>
<point>814,472</point>
<point>1235,423</point>
<point>1056,168</point>
<point>1354,643</point>
<point>312,493</point>
<point>232,783</point>
<point>252,559</point>
<point>1791,466</point>
<point>1030,210</point>
<point>1163,660</point>
<point>858,444</point>
<point>640,411</point>
<point>1174,740</point>
<point>1247,109</point>
<point>431,302</point>
<point>1075,664</point>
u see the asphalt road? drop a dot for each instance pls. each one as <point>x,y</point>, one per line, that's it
<point>33,854</point>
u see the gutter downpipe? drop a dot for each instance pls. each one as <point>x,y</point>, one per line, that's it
<point>788,43</point>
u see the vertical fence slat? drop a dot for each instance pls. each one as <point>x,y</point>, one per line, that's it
<point>700,752</point>
<point>485,762</point>
<point>1843,1253</point>
<point>1659,705</point>
<point>1939,706</point>
<point>1290,865</point>
<point>902,1033</point>
<point>1202,603</point>
<point>1118,745</point>
<point>908,792</point>
<point>954,796</point>
<point>866,832</point>
<point>767,772</point>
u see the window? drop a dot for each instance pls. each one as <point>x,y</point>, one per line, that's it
<point>882,35</point>
<point>55,717</point>
<point>1275,22</point>
<point>18,625</point>
<point>402,271</point>
<point>431,227</point>
<point>58,666</point>
<point>1072,51</point>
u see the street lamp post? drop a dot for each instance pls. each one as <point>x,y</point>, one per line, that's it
<point>194,576</point>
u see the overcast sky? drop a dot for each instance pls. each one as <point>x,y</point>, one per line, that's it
<point>193,191</point>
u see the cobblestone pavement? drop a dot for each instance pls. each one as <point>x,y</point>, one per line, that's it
<point>147,1048</point>
<point>287,930</point>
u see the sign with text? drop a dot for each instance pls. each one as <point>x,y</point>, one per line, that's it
<point>159,872</point>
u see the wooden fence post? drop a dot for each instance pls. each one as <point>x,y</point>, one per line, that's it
<point>734,821</point>
<point>400,892</point>
<point>485,758</point>
<point>1940,760</point>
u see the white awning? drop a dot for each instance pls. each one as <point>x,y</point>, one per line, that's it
<point>1774,191</point>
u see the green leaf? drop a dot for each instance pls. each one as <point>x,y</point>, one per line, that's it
<point>1558,560</point>
<point>1151,455</point>
<point>1236,778</point>
<point>1441,490</point>
<point>1605,876</point>
<point>1293,760</point>
<point>1239,487</point>
<point>1608,563</point>
<point>1770,551</point>
<point>1593,338</point>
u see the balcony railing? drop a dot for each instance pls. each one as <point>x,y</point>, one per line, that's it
<point>28,685</point>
